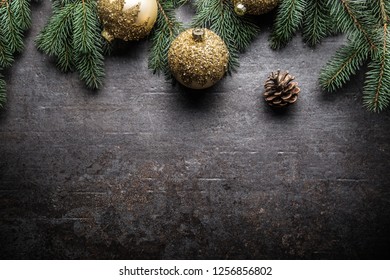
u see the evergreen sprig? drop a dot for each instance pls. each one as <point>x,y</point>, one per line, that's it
<point>376,91</point>
<point>312,15</point>
<point>73,37</point>
<point>236,31</point>
<point>21,13</point>
<point>166,28</point>
<point>347,60</point>
<point>15,18</point>
<point>366,23</point>
<point>6,55</point>
<point>56,37</point>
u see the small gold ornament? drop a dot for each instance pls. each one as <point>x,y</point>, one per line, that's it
<point>198,58</point>
<point>127,19</point>
<point>240,9</point>
<point>254,7</point>
<point>280,90</point>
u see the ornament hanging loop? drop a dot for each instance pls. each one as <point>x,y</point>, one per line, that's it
<point>240,9</point>
<point>198,34</point>
<point>106,35</point>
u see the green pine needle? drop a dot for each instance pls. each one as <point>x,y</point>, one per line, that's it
<point>377,90</point>
<point>366,23</point>
<point>87,46</point>
<point>177,3</point>
<point>347,14</point>
<point>317,22</point>
<point>12,32</point>
<point>347,60</point>
<point>57,5</point>
<point>381,10</point>
<point>351,17</point>
<point>6,56</point>
<point>20,10</point>
<point>237,32</point>
<point>65,57</point>
<point>56,37</point>
<point>15,18</point>
<point>377,86</point>
<point>83,27</point>
<point>73,37</point>
<point>91,68</point>
<point>166,28</point>
<point>288,20</point>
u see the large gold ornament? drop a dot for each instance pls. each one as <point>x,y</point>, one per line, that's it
<point>127,19</point>
<point>254,7</point>
<point>198,58</point>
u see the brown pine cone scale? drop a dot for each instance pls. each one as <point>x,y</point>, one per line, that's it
<point>280,90</point>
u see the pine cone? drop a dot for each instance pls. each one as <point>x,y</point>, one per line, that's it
<point>280,91</point>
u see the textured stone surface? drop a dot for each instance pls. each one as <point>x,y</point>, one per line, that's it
<point>141,169</point>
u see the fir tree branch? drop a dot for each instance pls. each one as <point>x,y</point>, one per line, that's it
<point>169,23</point>
<point>237,32</point>
<point>377,87</point>
<point>347,15</point>
<point>65,57</point>
<point>91,69</point>
<point>57,33</point>
<point>178,3</point>
<point>83,29</point>
<point>384,11</point>
<point>59,4</point>
<point>366,23</point>
<point>347,60</point>
<point>165,31</point>
<point>73,37</point>
<point>20,10</point>
<point>14,20</point>
<point>288,20</point>
<point>11,31</point>
<point>317,21</point>
<point>87,46</point>
<point>6,57</point>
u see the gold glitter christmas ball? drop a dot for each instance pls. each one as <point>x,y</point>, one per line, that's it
<point>254,7</point>
<point>127,19</point>
<point>198,58</point>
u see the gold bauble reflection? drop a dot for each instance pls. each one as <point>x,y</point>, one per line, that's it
<point>127,19</point>
<point>254,7</point>
<point>198,58</point>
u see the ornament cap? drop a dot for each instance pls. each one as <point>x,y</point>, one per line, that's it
<point>240,9</point>
<point>106,35</point>
<point>198,34</point>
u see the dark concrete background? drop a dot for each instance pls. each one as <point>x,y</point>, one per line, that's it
<point>142,169</point>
